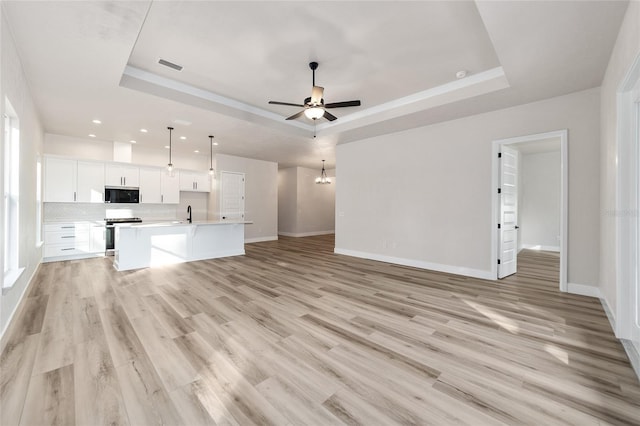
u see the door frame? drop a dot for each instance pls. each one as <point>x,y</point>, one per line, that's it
<point>564,197</point>
<point>627,228</point>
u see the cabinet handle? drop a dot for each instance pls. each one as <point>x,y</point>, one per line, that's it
<point>67,249</point>
<point>125,181</point>
<point>68,236</point>
<point>68,227</point>
<point>74,195</point>
<point>162,198</point>
<point>196,185</point>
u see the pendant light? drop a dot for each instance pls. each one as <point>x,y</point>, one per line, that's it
<point>170,165</point>
<point>212,172</point>
<point>323,179</point>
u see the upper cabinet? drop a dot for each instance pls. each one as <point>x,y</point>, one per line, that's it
<point>156,187</point>
<point>122,175</point>
<point>68,181</point>
<point>60,180</point>
<point>195,181</point>
<point>90,182</point>
<point>150,189</point>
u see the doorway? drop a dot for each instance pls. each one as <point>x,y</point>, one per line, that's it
<point>504,241</point>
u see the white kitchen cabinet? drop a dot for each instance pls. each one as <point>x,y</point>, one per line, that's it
<point>122,175</point>
<point>97,236</point>
<point>150,186</point>
<point>195,181</point>
<point>170,186</point>
<point>60,180</point>
<point>90,187</point>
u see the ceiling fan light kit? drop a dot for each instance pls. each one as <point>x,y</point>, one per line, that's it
<point>314,106</point>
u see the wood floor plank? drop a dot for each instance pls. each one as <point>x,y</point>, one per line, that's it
<point>292,333</point>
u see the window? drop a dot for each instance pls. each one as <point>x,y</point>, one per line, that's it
<point>11,195</point>
<point>39,241</point>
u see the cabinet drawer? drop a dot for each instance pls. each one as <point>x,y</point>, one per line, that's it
<point>68,237</point>
<point>52,227</point>
<point>65,250</point>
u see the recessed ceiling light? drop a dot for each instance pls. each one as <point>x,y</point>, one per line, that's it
<point>96,121</point>
<point>215,143</point>
<point>461,74</point>
<point>183,138</point>
<point>144,130</point>
<point>132,141</point>
<point>196,151</point>
<point>166,146</point>
<point>91,135</point>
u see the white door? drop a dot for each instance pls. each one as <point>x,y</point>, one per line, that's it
<point>232,196</point>
<point>508,229</point>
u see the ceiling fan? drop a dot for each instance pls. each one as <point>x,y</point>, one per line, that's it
<point>314,106</point>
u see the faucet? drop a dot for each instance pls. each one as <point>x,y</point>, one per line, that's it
<point>189,211</point>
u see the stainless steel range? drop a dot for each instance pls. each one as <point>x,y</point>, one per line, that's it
<point>111,231</point>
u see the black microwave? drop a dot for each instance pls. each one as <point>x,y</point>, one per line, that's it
<point>121,194</point>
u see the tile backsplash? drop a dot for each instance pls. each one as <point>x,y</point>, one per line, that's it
<point>56,212</point>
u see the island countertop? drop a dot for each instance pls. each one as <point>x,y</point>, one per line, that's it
<point>142,245</point>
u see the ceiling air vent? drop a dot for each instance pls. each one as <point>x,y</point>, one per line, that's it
<point>170,64</point>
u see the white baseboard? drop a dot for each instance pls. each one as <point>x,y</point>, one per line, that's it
<point>19,303</point>
<point>306,234</point>
<point>260,239</point>
<point>583,290</point>
<point>539,247</point>
<point>458,270</point>
<point>632,353</point>
<point>610,313</point>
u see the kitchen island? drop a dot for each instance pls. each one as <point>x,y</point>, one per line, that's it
<point>153,244</point>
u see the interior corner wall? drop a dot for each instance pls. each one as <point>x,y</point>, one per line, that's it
<point>539,209</point>
<point>315,204</point>
<point>261,194</point>
<point>287,201</point>
<point>429,202</point>
<point>14,87</point>
<point>625,51</point>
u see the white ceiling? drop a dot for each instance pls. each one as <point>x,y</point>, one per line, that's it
<point>90,59</point>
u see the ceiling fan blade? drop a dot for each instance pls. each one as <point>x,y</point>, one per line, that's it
<point>285,103</point>
<point>316,95</point>
<point>296,115</point>
<point>343,104</point>
<point>329,116</point>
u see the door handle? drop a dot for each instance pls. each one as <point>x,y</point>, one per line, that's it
<point>517,227</point>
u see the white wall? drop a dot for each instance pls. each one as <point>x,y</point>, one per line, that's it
<point>304,207</point>
<point>539,209</point>
<point>287,201</point>
<point>261,195</point>
<point>429,202</point>
<point>14,86</point>
<point>626,50</point>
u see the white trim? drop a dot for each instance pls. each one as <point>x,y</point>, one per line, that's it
<point>306,234</point>
<point>457,270</point>
<point>260,239</point>
<point>564,198</point>
<point>19,302</point>
<point>583,290</point>
<point>632,353</point>
<point>608,311</point>
<point>10,278</point>
<point>627,205</point>
<point>539,247</point>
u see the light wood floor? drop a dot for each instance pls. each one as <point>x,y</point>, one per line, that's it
<point>292,334</point>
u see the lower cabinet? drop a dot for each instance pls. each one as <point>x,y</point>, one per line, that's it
<point>73,240</point>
